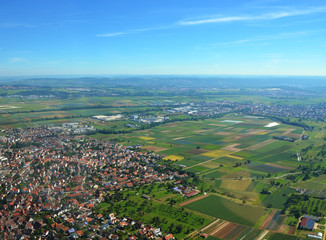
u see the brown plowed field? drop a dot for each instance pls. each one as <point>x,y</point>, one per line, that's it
<point>192,200</point>
<point>280,166</point>
<point>225,230</point>
<point>261,144</point>
<point>291,230</point>
<point>224,224</point>
<point>154,148</point>
<point>295,135</point>
<point>235,232</point>
<point>268,219</point>
<point>224,133</point>
<point>233,147</point>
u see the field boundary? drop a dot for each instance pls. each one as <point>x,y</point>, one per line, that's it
<point>267,219</point>
<point>192,200</point>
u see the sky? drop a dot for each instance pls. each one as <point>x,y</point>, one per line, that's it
<point>258,37</point>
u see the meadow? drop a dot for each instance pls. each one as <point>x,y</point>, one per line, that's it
<point>278,198</point>
<point>225,209</point>
<point>279,236</point>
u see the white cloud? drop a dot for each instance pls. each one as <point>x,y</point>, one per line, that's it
<point>265,38</point>
<point>17,60</point>
<point>15,25</point>
<point>135,31</point>
<point>214,20</point>
<point>111,34</point>
<point>221,19</point>
<point>267,16</point>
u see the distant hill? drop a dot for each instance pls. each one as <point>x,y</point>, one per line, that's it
<point>312,83</point>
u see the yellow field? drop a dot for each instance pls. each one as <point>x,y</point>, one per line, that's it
<point>210,164</point>
<point>154,148</point>
<point>235,157</point>
<point>216,153</point>
<point>263,133</point>
<point>241,185</point>
<point>146,138</point>
<point>174,157</point>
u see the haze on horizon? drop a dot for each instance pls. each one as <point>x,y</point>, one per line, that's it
<point>257,37</point>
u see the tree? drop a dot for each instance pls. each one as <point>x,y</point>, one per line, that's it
<point>178,228</point>
<point>265,191</point>
<point>172,202</point>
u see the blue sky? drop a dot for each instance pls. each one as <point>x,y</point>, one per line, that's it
<point>269,37</point>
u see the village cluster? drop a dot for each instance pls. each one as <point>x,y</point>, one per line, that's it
<point>51,181</point>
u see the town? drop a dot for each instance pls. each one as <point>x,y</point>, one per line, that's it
<point>52,180</point>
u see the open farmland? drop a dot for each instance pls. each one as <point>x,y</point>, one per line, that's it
<point>315,187</point>
<point>276,222</point>
<point>278,198</point>
<point>232,231</point>
<point>212,147</point>
<point>228,210</point>
<point>279,236</point>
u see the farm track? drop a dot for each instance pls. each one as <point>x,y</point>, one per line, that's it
<point>251,235</point>
<point>236,232</point>
<point>222,155</point>
<point>262,235</point>
<point>267,219</point>
<point>222,225</point>
<point>192,200</point>
<point>272,178</point>
<point>276,222</point>
<point>232,231</point>
<point>223,232</point>
<point>211,224</point>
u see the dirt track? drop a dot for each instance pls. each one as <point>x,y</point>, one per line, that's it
<point>192,200</point>
<point>225,231</point>
<point>268,219</point>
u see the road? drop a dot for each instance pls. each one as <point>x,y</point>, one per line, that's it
<point>251,178</point>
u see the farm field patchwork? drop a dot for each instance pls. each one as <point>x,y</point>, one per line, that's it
<point>231,154</point>
<point>220,143</point>
<point>276,222</point>
<point>233,231</point>
<point>314,187</point>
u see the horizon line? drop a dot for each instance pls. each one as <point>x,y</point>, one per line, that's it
<point>165,74</point>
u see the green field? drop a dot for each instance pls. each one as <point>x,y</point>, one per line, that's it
<point>278,198</point>
<point>279,236</point>
<point>228,210</point>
